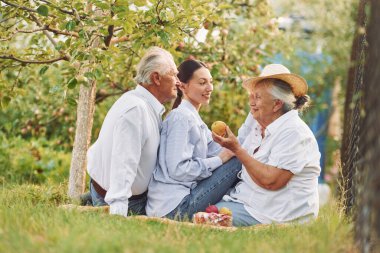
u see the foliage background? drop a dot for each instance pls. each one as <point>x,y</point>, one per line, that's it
<point>38,101</point>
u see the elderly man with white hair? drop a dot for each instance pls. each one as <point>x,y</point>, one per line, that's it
<point>279,153</point>
<point>121,161</point>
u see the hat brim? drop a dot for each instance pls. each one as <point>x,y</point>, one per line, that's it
<point>297,83</point>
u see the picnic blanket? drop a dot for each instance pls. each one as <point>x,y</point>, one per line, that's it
<point>105,209</point>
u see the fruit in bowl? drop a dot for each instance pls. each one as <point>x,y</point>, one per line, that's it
<point>225,210</point>
<point>219,128</point>
<point>212,217</point>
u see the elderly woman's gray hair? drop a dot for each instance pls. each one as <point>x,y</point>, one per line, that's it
<point>282,91</point>
<point>155,60</point>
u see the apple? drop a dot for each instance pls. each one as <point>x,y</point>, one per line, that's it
<point>224,32</point>
<point>226,211</point>
<point>206,24</point>
<point>224,71</point>
<point>181,45</point>
<point>212,209</point>
<point>190,57</point>
<point>219,128</point>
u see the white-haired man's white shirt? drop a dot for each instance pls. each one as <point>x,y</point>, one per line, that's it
<point>288,144</point>
<point>123,157</point>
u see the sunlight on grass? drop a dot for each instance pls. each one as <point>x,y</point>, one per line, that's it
<point>31,222</point>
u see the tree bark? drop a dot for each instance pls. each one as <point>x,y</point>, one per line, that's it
<point>367,229</point>
<point>352,120</point>
<point>85,115</point>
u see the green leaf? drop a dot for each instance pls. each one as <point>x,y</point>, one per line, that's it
<point>60,45</point>
<point>70,26</point>
<point>89,75</point>
<point>68,42</point>
<point>103,6</point>
<point>164,36</point>
<point>72,83</point>
<point>43,10</point>
<point>225,6</point>
<point>154,21</point>
<point>43,70</point>
<point>140,3</point>
<point>71,101</point>
<point>98,73</point>
<point>81,34</point>
<point>5,101</point>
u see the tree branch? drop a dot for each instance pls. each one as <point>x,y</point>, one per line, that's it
<point>158,12</point>
<point>7,38</point>
<point>29,31</point>
<point>100,97</point>
<point>18,6</point>
<point>47,28</point>
<point>22,7</point>
<point>45,32</point>
<point>118,40</point>
<point>107,40</point>
<point>58,8</point>
<point>67,57</point>
<point>11,57</point>
<point>56,31</point>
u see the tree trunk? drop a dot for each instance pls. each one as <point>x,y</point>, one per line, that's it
<point>367,222</point>
<point>85,115</point>
<point>350,153</point>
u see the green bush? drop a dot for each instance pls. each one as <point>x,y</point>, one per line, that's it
<point>32,161</point>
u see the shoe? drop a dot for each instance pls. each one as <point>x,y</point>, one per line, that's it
<point>85,199</point>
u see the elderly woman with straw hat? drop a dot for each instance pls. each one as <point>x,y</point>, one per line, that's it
<point>279,153</point>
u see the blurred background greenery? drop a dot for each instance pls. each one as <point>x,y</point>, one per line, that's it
<point>235,38</point>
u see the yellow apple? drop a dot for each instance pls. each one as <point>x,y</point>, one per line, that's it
<point>225,210</point>
<point>219,128</point>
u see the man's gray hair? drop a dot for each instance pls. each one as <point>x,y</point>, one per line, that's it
<point>155,60</point>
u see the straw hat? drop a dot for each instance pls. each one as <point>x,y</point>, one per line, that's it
<point>278,71</point>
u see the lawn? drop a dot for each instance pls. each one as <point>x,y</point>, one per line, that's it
<point>30,221</point>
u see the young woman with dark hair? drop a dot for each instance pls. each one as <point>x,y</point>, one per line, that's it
<point>192,171</point>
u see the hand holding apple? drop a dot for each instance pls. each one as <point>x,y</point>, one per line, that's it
<point>229,141</point>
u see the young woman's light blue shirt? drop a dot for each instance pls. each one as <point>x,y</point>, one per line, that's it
<point>187,154</point>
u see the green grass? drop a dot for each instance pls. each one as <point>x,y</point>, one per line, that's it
<point>31,222</point>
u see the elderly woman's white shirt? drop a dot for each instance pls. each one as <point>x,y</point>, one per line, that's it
<point>288,144</point>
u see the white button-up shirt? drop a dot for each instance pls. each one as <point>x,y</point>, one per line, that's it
<point>187,155</point>
<point>124,156</point>
<point>288,144</point>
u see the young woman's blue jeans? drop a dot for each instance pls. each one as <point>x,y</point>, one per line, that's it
<point>208,191</point>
